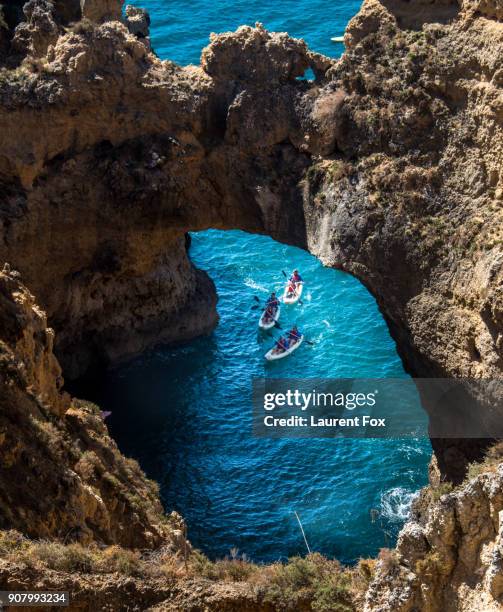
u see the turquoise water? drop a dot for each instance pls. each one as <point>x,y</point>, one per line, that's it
<point>181,29</point>
<point>185,413</point>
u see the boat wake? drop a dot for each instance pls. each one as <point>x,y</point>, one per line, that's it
<point>249,282</point>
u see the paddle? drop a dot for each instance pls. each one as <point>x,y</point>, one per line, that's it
<point>286,276</point>
<point>258,304</point>
<point>306,341</point>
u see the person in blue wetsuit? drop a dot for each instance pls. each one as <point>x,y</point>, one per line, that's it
<point>282,345</point>
<point>271,306</point>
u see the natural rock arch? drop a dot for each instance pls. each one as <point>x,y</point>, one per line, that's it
<point>109,156</point>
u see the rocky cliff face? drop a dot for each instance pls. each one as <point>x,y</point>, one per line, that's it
<point>387,165</point>
<point>61,475</point>
<point>136,152</point>
<point>412,201</point>
<point>449,555</point>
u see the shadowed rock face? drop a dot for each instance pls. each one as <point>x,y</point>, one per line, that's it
<point>61,475</point>
<point>387,166</point>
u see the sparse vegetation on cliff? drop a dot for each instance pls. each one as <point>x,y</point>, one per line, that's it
<point>313,582</point>
<point>493,458</point>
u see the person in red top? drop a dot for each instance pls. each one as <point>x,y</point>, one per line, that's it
<point>296,277</point>
<point>294,335</point>
<point>294,280</point>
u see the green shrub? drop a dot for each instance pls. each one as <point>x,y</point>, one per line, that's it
<point>333,594</point>
<point>89,466</point>
<point>201,565</point>
<point>431,565</point>
<point>86,406</point>
<point>230,569</point>
<point>235,570</point>
<point>442,489</point>
<point>363,574</point>
<point>325,583</point>
<point>12,541</point>
<point>490,463</point>
<point>297,574</point>
<point>110,479</point>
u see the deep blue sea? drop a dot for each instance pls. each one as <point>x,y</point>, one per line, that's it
<point>185,413</point>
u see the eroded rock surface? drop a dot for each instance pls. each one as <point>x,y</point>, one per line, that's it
<point>61,474</point>
<point>449,554</point>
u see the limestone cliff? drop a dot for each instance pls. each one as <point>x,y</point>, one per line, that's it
<point>412,201</point>
<point>449,555</point>
<point>387,165</point>
<point>61,475</point>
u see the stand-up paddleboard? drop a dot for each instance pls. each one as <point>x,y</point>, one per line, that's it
<point>272,356</point>
<point>292,298</point>
<point>263,324</point>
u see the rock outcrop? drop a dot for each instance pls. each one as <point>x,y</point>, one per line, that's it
<point>142,160</point>
<point>94,592</point>
<point>449,555</point>
<point>412,201</point>
<point>61,475</point>
<point>138,21</point>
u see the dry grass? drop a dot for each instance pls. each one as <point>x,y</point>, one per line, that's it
<point>431,565</point>
<point>490,463</point>
<point>327,585</point>
<point>89,466</point>
<point>74,557</point>
<point>388,559</point>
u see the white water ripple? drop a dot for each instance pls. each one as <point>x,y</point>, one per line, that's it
<point>396,504</point>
